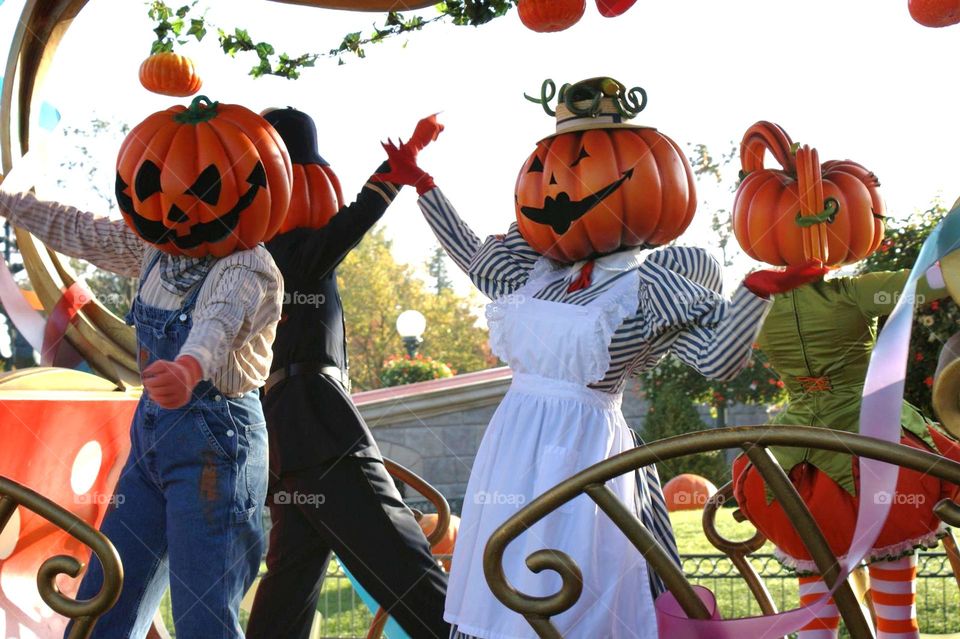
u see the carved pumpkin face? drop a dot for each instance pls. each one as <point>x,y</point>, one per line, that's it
<point>211,179</point>
<point>588,193</point>
<point>316,195</point>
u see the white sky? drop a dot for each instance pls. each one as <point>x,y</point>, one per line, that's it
<point>858,79</point>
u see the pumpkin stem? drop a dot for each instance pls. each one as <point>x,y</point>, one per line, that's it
<point>831,208</point>
<point>593,91</point>
<point>544,100</point>
<point>200,110</point>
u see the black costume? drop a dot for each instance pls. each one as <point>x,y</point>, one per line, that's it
<point>330,490</point>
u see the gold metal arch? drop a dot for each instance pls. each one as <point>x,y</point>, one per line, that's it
<point>99,335</point>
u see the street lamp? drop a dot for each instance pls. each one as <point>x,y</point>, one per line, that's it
<point>411,325</point>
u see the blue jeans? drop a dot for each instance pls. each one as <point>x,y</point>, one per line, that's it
<point>188,513</point>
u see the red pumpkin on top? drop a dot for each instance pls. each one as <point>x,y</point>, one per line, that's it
<point>546,16</point>
<point>935,13</point>
<point>316,195</point>
<point>830,213</point>
<point>600,184</point>
<point>208,179</point>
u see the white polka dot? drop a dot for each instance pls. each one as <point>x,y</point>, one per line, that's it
<point>10,535</point>
<point>86,467</point>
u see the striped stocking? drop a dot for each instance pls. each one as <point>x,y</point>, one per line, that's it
<point>893,588</point>
<point>825,626</point>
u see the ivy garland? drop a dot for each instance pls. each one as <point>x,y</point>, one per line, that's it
<point>174,27</point>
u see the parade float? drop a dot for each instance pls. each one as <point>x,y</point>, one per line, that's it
<point>65,432</point>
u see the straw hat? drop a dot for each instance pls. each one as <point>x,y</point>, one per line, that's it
<point>595,103</point>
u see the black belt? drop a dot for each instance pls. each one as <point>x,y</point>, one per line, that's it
<point>307,368</point>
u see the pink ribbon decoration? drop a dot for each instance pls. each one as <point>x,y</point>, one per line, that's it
<point>880,419</point>
<point>29,322</point>
<point>54,347</point>
<point>45,336</point>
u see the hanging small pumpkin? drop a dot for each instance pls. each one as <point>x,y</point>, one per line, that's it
<point>316,195</point>
<point>688,492</point>
<point>545,16</point>
<point>210,179</point>
<point>169,73</point>
<point>803,211</point>
<point>600,184</point>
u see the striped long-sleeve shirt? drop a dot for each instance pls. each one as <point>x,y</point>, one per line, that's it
<point>680,306</point>
<point>236,314</point>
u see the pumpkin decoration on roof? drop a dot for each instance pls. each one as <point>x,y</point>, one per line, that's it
<point>316,196</point>
<point>599,183</point>
<point>169,73</point>
<point>208,179</point>
<point>831,212</point>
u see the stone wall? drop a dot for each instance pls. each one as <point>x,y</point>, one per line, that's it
<point>436,433</point>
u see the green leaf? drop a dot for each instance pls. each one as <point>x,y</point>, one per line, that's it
<point>197,28</point>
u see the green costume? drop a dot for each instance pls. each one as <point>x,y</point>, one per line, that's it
<point>819,337</point>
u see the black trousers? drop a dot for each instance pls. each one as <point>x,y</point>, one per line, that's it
<point>351,507</point>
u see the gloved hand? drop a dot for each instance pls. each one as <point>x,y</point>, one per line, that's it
<point>404,169</point>
<point>428,130</point>
<point>767,282</point>
<point>170,384</point>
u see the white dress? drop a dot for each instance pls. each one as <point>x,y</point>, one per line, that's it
<point>549,426</point>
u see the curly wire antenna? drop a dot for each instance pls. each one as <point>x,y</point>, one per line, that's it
<point>547,92</point>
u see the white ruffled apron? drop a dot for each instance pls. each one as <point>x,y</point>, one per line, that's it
<point>549,426</point>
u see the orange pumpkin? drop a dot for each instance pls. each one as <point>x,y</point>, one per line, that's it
<point>210,179</point>
<point>688,492</point>
<point>803,211</point>
<point>316,195</point>
<point>169,73</point>
<point>545,16</point>
<point>588,193</point>
<point>445,545</point>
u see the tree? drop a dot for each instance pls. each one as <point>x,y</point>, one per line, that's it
<point>935,321</point>
<point>83,166</point>
<point>437,268</point>
<point>376,289</point>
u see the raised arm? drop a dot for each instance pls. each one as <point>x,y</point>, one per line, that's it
<point>104,242</point>
<point>718,336</point>
<point>497,266</point>
<point>324,249</point>
<point>876,294</point>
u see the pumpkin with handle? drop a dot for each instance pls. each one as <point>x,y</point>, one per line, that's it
<point>830,213</point>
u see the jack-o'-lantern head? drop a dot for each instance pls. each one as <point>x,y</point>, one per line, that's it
<point>208,179</point>
<point>316,195</point>
<point>600,184</point>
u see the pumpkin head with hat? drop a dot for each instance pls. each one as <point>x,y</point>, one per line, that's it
<point>601,183</point>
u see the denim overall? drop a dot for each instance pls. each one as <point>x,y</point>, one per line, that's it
<point>188,505</point>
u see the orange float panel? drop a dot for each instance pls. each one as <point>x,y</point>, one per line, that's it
<point>70,447</point>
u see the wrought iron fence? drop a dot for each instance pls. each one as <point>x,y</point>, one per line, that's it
<point>938,600</point>
<point>342,614</point>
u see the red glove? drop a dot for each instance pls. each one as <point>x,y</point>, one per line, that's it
<point>404,169</point>
<point>428,130</point>
<point>170,384</point>
<point>765,283</point>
